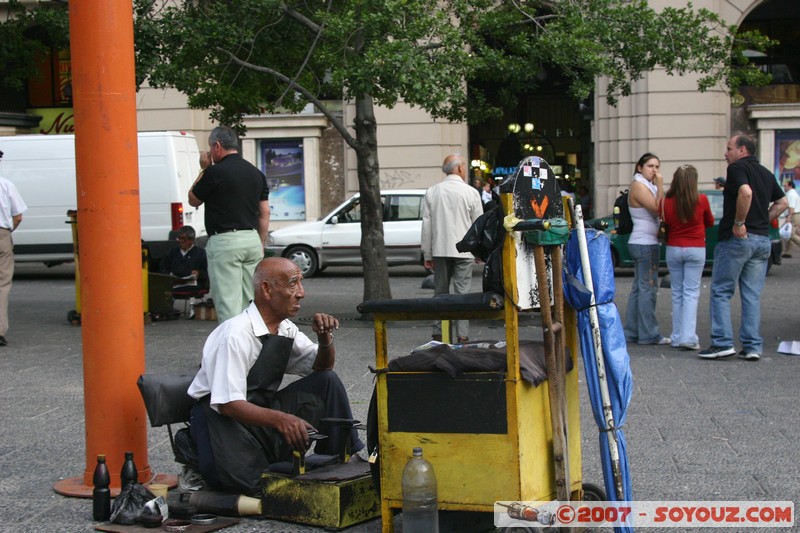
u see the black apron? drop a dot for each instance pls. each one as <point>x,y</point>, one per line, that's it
<point>239,453</point>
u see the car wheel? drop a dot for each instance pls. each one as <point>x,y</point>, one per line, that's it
<point>305,258</point>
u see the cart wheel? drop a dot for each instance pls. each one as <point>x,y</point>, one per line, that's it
<point>73,317</point>
<point>593,493</point>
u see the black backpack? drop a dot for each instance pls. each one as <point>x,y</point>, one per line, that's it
<point>622,214</point>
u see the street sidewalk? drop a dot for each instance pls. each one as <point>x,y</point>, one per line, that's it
<point>696,429</point>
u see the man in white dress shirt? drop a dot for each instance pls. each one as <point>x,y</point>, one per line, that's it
<point>11,208</point>
<point>243,422</point>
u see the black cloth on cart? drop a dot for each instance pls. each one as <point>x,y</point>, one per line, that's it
<point>475,356</point>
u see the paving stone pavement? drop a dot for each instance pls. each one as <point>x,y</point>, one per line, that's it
<point>696,429</point>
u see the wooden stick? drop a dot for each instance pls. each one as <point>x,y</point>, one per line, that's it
<point>553,337</point>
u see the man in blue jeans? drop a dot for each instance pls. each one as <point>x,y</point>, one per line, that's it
<point>743,249</point>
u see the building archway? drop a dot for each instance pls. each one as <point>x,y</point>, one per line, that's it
<point>546,122</point>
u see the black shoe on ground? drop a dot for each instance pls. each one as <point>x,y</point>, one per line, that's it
<point>716,352</point>
<point>749,356</point>
<point>3,341</point>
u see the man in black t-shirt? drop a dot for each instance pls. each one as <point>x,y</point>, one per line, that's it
<point>236,199</point>
<point>740,258</point>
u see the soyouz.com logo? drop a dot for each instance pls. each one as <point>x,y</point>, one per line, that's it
<point>689,514</point>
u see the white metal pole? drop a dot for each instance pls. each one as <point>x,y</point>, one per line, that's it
<point>608,414</point>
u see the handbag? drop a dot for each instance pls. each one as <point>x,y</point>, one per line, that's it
<point>662,227</point>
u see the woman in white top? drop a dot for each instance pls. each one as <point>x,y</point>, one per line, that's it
<point>647,190</point>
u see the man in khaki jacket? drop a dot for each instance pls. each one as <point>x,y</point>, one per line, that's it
<point>449,209</point>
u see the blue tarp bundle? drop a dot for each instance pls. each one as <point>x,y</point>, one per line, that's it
<point>615,352</point>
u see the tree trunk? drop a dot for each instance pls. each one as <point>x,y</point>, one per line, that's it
<point>373,249</point>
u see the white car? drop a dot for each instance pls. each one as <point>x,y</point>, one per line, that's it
<point>335,239</point>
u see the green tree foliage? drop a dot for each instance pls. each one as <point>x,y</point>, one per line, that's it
<point>460,59</point>
<point>255,56</point>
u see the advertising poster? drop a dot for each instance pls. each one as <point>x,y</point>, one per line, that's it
<point>787,155</point>
<point>282,163</point>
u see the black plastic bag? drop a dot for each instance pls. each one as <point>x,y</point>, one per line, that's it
<point>484,240</point>
<point>184,448</point>
<point>130,504</point>
<point>485,235</point>
<point>493,272</point>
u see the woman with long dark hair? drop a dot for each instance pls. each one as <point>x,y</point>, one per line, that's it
<point>644,199</point>
<point>687,214</point>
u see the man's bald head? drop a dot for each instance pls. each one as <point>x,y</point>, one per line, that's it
<point>278,290</point>
<point>455,164</point>
<point>274,268</point>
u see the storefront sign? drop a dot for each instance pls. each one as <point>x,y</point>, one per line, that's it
<point>55,120</point>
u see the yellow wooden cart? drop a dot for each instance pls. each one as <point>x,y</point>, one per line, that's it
<point>488,435</point>
<point>157,297</point>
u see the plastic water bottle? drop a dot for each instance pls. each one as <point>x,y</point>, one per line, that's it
<point>101,495</point>
<point>420,507</point>
<point>129,474</point>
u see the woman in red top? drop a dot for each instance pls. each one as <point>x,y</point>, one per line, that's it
<point>687,215</point>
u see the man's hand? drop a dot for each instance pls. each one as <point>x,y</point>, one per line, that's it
<point>428,264</point>
<point>205,160</point>
<point>740,232</point>
<point>323,324</point>
<point>294,431</point>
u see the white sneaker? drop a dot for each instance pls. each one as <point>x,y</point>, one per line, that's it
<point>690,347</point>
<point>749,356</point>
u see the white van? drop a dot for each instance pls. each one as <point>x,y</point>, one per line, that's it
<point>43,169</point>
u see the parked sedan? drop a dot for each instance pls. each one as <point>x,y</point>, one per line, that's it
<point>335,239</point>
<point>619,243</point>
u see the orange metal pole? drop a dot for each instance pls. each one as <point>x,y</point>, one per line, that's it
<point>106,153</point>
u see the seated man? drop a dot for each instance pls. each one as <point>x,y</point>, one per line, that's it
<point>242,423</point>
<point>186,263</point>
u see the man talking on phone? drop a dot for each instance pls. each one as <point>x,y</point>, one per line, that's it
<point>236,197</point>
